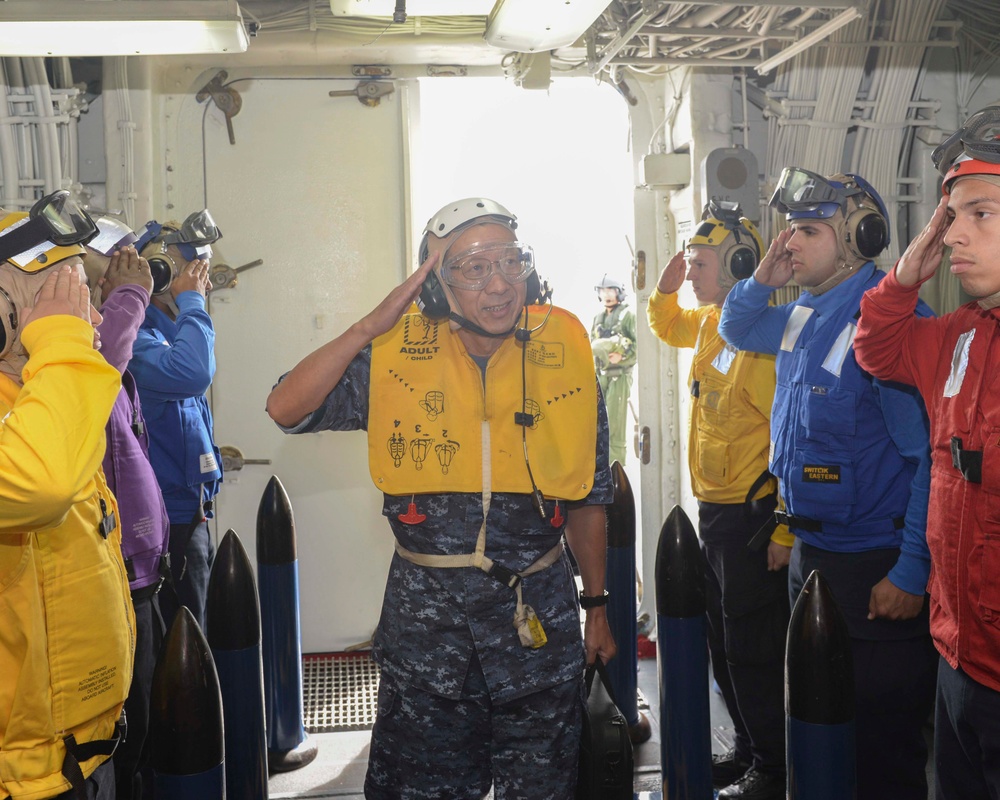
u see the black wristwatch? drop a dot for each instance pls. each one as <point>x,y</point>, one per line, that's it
<point>587,601</point>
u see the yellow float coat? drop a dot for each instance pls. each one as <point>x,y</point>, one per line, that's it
<point>730,430</point>
<point>67,629</point>
<point>431,418</point>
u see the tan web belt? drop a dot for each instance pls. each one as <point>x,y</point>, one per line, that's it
<point>529,629</point>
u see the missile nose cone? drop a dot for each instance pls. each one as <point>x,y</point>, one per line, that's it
<point>275,526</point>
<point>819,669</point>
<point>680,572</point>
<point>185,714</point>
<point>232,612</point>
<point>621,512</point>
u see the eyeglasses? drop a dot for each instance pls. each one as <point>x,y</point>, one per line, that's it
<point>473,268</point>
<point>55,218</point>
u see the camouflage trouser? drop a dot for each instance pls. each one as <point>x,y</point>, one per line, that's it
<point>426,747</point>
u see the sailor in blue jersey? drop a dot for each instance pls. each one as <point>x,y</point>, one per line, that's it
<point>852,457</point>
<point>173,362</point>
<point>469,699</point>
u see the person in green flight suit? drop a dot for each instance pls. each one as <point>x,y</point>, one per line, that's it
<point>612,338</point>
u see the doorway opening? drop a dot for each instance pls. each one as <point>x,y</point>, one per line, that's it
<point>560,160</point>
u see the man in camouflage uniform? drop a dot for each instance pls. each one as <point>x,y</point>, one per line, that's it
<point>481,671</point>
<point>613,339</point>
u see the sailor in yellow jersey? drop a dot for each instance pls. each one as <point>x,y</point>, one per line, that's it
<point>731,396</point>
<point>66,621</point>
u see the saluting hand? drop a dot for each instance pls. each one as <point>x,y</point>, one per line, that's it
<point>64,292</point>
<point>924,255</point>
<point>387,313</point>
<point>193,278</point>
<point>126,267</point>
<point>775,269</point>
<point>673,274</point>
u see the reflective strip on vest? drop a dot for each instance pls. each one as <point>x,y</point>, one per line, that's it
<point>959,363</point>
<point>834,361</point>
<point>793,328</point>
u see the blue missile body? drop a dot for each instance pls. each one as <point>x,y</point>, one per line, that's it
<point>233,621</point>
<point>288,744</point>
<point>682,661</point>
<point>620,580</point>
<point>819,698</point>
<point>187,740</point>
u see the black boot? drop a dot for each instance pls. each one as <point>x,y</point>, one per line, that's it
<point>756,785</point>
<point>728,768</point>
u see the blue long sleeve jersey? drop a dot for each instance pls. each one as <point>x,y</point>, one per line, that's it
<point>173,363</point>
<point>851,452</point>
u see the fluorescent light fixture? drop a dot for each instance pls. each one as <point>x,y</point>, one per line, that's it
<point>529,26</point>
<point>120,27</point>
<point>807,41</point>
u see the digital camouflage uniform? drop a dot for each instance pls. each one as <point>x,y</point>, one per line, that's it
<point>437,622</point>
<point>614,332</point>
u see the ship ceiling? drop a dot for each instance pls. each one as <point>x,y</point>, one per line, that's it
<point>648,36</point>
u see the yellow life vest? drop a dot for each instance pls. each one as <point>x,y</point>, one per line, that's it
<point>67,651</point>
<point>431,419</point>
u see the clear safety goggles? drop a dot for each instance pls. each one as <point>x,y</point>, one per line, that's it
<point>473,268</point>
<point>56,218</point>
<point>728,212</point>
<point>112,235</point>
<point>802,190</point>
<point>198,229</point>
<point>978,138</point>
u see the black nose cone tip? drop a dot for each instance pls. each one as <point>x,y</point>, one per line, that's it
<point>275,526</point>
<point>185,715</point>
<point>232,610</point>
<point>819,668</point>
<point>680,572</point>
<point>621,512</point>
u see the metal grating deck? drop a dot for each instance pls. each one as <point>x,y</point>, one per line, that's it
<point>339,692</point>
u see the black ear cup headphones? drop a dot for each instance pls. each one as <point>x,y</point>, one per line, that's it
<point>432,300</point>
<point>866,232</point>
<point>163,268</point>
<point>741,259</point>
<point>8,322</point>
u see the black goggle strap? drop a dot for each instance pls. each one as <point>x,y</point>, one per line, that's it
<point>149,232</point>
<point>24,237</point>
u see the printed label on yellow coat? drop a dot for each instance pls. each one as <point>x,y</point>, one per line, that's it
<point>428,403</point>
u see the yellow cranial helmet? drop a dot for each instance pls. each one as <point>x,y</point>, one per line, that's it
<point>735,238</point>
